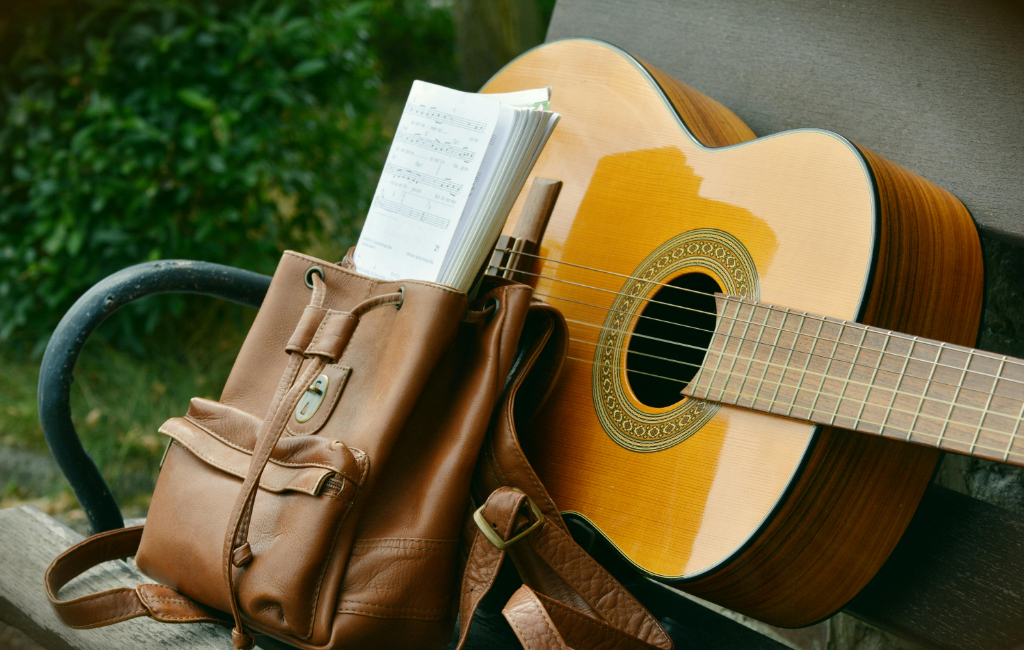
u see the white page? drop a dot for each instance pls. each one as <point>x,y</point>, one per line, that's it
<point>499,138</point>
<point>538,98</point>
<point>512,185</point>
<point>439,146</point>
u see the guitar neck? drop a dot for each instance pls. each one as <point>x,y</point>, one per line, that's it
<point>864,379</point>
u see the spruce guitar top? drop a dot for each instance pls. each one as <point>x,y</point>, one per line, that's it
<point>718,289</point>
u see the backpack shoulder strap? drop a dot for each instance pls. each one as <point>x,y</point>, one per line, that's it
<point>568,600</point>
<point>158,602</point>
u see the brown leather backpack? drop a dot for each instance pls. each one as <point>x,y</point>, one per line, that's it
<point>329,498</point>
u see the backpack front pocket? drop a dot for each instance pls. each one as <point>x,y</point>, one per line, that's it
<point>305,493</point>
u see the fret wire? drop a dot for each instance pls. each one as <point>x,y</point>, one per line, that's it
<point>956,396</point>
<point>899,380</point>
<point>771,355</point>
<point>803,373</point>
<point>828,367</point>
<point>695,381</point>
<point>849,373</point>
<point>924,393</point>
<point>788,358</point>
<point>739,349</point>
<point>988,402</point>
<point>701,329</point>
<point>725,348</point>
<point>871,382</point>
<point>1013,434</point>
<point>619,293</point>
<point>926,435</point>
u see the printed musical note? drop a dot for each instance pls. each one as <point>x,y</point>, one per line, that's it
<point>447,118</point>
<point>405,211</point>
<point>435,158</point>
<point>443,148</point>
<point>426,179</point>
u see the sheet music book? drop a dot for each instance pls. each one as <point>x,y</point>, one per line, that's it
<point>455,168</point>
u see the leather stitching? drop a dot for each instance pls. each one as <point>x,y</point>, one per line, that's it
<point>597,568</point>
<point>373,615</point>
<point>250,452</point>
<point>466,606</point>
<point>396,607</point>
<point>86,599</point>
<point>406,539</point>
<point>183,601</point>
<point>402,548</point>
<point>316,335</point>
<point>341,491</point>
<point>515,445</point>
<point>374,281</point>
<point>323,570</point>
<point>226,470</point>
<point>251,497</point>
<point>212,433</point>
<point>519,633</point>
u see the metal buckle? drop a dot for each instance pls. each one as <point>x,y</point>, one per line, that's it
<point>492,535</point>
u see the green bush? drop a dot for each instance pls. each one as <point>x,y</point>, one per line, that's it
<point>135,130</point>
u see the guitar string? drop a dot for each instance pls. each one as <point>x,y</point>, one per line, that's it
<point>757,341</point>
<point>797,334</point>
<point>880,433</point>
<point>816,317</point>
<point>811,336</point>
<point>737,356</point>
<point>970,352</point>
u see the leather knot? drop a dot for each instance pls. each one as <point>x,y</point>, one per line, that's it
<point>241,640</point>
<point>242,555</point>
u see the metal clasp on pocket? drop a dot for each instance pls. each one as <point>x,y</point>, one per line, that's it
<point>312,399</point>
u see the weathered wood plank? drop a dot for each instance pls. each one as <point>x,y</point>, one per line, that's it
<point>955,580</point>
<point>30,540</point>
<point>936,86</point>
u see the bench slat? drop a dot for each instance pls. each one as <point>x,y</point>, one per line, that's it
<point>30,540</point>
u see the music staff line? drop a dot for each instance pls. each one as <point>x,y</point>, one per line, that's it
<point>426,179</point>
<point>438,147</point>
<point>454,120</point>
<point>412,213</point>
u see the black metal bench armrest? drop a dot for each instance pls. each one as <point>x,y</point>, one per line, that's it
<point>99,302</point>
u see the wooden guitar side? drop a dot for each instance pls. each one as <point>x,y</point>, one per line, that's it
<point>851,497</point>
<point>855,491</point>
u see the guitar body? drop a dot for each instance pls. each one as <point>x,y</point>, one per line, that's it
<point>774,518</point>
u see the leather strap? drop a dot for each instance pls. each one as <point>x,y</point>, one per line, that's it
<point>568,600</point>
<point>327,344</point>
<point>115,605</point>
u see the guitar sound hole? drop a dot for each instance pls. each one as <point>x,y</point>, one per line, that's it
<point>671,338</point>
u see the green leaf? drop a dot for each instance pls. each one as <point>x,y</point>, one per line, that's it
<point>196,99</point>
<point>309,68</point>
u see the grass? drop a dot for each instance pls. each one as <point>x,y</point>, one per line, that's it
<point>120,398</point>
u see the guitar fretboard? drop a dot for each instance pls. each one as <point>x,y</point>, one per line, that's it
<point>865,379</point>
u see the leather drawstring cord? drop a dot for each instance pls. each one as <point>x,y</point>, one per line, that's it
<point>321,334</point>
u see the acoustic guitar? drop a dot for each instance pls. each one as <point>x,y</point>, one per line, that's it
<point>710,421</point>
